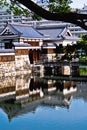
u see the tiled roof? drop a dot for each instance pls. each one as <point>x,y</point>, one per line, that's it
<point>27,31</point>
<point>16,44</point>
<point>7,51</point>
<point>57,32</point>
<point>51,31</point>
<point>49,44</point>
<point>72,38</point>
<point>21,30</point>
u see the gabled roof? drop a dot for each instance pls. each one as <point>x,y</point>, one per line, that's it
<point>9,30</point>
<point>57,33</point>
<point>49,32</point>
<point>21,30</point>
<point>54,32</point>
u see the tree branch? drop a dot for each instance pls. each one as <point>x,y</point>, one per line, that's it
<point>71,17</point>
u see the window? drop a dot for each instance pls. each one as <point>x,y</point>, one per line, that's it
<point>2,45</point>
<point>6,44</point>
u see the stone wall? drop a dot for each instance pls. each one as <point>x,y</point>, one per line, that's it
<point>7,63</point>
<point>14,63</point>
<point>22,62</point>
<point>7,68</point>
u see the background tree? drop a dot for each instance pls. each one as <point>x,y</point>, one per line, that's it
<point>82,49</point>
<point>54,6</point>
<point>3,3</point>
<point>61,6</point>
<point>36,17</point>
<point>82,44</point>
<point>14,7</point>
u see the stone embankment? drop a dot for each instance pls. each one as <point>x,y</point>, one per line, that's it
<point>12,64</point>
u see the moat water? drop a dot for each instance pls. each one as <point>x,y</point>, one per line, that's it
<point>42,103</point>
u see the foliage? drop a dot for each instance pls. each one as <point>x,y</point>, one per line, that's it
<point>83,60</point>
<point>36,17</point>
<point>83,71</point>
<point>54,6</point>
<point>60,6</point>
<point>65,15</point>
<point>82,44</point>
<point>14,7</point>
<point>3,3</point>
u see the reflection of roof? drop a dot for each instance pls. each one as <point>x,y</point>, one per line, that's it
<point>58,100</point>
<point>15,109</point>
<point>81,91</point>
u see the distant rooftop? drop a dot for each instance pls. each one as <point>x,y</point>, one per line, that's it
<point>85,7</point>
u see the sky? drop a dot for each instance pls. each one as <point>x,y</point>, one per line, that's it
<point>78,3</point>
<point>75,4</point>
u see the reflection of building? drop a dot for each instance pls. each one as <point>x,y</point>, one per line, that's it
<point>51,85</point>
<point>18,96</point>
<point>7,88</point>
<point>22,87</point>
<point>58,100</point>
<point>69,87</point>
<point>63,97</point>
<point>81,91</point>
<point>24,94</point>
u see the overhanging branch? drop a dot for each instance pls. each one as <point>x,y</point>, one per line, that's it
<point>72,17</point>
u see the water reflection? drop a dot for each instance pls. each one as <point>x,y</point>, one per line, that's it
<point>23,94</point>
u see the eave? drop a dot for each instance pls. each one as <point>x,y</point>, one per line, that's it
<point>9,37</point>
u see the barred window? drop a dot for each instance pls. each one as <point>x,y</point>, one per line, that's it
<point>2,45</point>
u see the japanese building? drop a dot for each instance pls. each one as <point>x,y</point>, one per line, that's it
<point>22,45</point>
<point>57,36</point>
<point>19,46</point>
